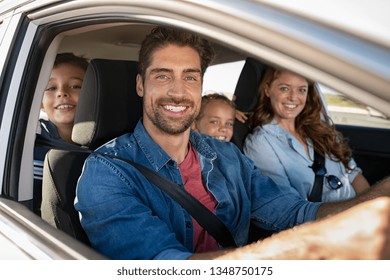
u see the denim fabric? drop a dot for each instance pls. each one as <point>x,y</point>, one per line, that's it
<point>279,155</point>
<point>126,217</point>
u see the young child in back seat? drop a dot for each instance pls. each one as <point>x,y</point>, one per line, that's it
<point>59,103</point>
<point>216,117</point>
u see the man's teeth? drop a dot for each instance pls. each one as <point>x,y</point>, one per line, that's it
<point>222,138</point>
<point>65,106</point>
<point>175,108</point>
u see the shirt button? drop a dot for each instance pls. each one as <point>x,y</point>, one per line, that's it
<point>188,225</point>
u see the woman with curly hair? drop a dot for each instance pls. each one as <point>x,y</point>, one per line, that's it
<point>288,126</point>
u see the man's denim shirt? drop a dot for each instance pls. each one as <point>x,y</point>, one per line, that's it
<point>126,217</point>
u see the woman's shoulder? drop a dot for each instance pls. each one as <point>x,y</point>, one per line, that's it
<point>261,133</point>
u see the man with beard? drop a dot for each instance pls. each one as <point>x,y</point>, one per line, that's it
<point>126,217</point>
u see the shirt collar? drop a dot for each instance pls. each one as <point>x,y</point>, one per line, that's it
<point>49,129</point>
<point>158,157</point>
<point>283,135</point>
<point>276,130</point>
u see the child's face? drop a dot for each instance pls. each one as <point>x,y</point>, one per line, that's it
<point>62,94</point>
<point>217,120</point>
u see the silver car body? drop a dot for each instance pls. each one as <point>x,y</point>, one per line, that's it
<point>346,48</point>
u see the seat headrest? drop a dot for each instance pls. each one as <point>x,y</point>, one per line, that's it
<point>246,96</point>
<point>246,91</point>
<point>108,105</point>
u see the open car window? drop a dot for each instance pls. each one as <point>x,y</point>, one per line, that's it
<point>345,111</point>
<point>222,78</point>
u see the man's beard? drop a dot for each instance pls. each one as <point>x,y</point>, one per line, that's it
<point>171,126</point>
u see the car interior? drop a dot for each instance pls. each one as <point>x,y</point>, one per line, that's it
<point>109,106</point>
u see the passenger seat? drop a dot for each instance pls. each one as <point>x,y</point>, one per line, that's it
<point>246,96</point>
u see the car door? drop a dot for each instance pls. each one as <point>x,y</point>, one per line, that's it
<point>366,130</point>
<point>372,152</point>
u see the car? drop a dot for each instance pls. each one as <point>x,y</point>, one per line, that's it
<point>344,49</point>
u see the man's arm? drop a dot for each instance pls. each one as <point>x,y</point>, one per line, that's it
<point>362,232</point>
<point>380,189</point>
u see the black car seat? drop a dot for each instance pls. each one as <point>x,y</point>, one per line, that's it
<point>246,96</point>
<point>108,106</point>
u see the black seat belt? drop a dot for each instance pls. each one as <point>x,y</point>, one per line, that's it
<point>208,220</point>
<point>318,168</point>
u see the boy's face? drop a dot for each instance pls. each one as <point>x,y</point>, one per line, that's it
<point>217,120</point>
<point>62,94</point>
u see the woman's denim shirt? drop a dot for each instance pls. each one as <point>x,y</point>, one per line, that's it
<point>126,217</point>
<point>279,155</point>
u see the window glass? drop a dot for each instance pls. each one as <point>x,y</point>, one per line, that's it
<point>348,112</point>
<point>222,78</point>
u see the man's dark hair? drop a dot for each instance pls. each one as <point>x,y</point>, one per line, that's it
<point>70,58</point>
<point>162,36</point>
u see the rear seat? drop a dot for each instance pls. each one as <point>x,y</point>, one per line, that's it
<point>108,107</point>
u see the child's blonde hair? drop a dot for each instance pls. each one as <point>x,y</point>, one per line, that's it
<point>206,99</point>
